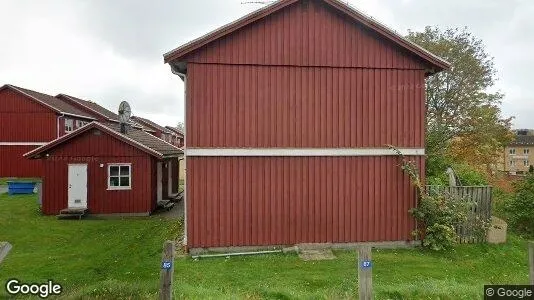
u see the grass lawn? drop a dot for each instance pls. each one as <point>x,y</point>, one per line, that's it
<point>106,259</point>
<point>3,181</point>
<point>397,274</point>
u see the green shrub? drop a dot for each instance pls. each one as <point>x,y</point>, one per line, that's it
<point>439,214</point>
<point>519,209</point>
<point>468,175</point>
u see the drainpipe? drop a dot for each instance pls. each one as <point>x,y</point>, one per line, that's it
<point>183,76</point>
<point>58,118</point>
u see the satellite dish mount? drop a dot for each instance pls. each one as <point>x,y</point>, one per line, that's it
<point>125,112</point>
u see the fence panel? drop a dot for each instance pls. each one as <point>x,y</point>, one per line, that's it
<point>481,195</point>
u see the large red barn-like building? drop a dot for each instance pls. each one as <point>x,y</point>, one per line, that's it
<point>29,119</point>
<point>289,112</point>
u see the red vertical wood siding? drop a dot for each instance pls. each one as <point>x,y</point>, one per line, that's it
<point>306,107</point>
<point>314,36</point>
<point>13,164</point>
<point>236,201</point>
<point>95,150</point>
<point>24,120</point>
<point>303,77</point>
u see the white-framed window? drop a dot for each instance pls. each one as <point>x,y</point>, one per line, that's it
<point>512,163</point>
<point>526,151</point>
<point>69,125</point>
<point>119,176</point>
<point>512,151</point>
<point>525,163</point>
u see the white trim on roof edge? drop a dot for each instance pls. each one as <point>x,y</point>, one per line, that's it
<point>302,151</point>
<point>22,143</point>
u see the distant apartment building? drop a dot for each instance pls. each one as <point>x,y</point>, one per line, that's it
<point>518,156</point>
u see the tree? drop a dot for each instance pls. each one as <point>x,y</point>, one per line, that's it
<point>462,111</point>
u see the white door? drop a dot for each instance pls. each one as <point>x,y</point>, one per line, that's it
<point>77,186</point>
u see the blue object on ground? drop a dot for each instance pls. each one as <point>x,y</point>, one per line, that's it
<point>20,187</point>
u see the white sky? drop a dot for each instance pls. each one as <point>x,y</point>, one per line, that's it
<point>111,50</point>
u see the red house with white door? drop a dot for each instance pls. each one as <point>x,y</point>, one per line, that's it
<point>106,171</point>
<point>289,113</point>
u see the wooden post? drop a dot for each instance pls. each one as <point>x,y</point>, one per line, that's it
<point>167,270</point>
<point>365,273</point>
<point>5,247</point>
<point>531,261</point>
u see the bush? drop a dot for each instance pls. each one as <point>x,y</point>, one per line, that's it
<point>438,215</point>
<point>467,175</point>
<point>519,209</point>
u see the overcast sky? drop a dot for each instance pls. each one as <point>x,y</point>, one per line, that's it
<point>111,50</point>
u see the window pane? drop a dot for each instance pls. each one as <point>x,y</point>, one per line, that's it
<point>113,171</point>
<point>114,181</point>
<point>125,181</point>
<point>125,170</point>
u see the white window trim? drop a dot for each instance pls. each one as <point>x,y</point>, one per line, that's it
<point>71,125</point>
<point>119,188</point>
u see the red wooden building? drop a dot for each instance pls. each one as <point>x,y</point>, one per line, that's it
<point>289,111</point>
<point>101,113</point>
<point>101,169</point>
<point>177,136</point>
<point>29,119</point>
<point>158,130</point>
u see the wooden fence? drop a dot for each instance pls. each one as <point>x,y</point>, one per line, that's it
<point>480,195</point>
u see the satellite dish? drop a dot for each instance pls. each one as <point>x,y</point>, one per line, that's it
<point>125,112</point>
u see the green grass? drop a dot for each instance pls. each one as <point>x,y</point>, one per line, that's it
<point>397,274</point>
<point>114,258</point>
<point>119,258</point>
<point>3,180</point>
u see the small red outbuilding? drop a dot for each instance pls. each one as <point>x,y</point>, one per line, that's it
<point>106,171</point>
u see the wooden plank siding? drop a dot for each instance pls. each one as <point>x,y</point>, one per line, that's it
<point>235,201</point>
<point>13,164</point>
<point>94,150</point>
<point>305,76</point>
<point>24,120</point>
<point>312,34</point>
<point>304,107</point>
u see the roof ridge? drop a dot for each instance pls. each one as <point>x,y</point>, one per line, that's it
<point>349,10</point>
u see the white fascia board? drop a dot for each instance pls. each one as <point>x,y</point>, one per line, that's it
<point>302,151</point>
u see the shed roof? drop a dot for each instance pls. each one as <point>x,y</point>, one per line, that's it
<point>175,130</point>
<point>51,102</point>
<point>150,123</point>
<point>135,137</point>
<point>358,16</point>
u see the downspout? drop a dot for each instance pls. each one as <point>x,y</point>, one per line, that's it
<point>58,126</point>
<point>183,76</point>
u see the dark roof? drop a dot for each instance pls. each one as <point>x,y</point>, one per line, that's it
<point>523,140</point>
<point>148,140</point>
<point>175,130</point>
<point>96,108</point>
<point>53,103</point>
<point>150,124</point>
<point>135,137</point>
<point>99,110</point>
<point>358,16</point>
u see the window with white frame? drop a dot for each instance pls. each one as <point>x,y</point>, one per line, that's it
<point>526,151</point>
<point>512,151</point>
<point>525,163</point>
<point>512,163</point>
<point>69,125</point>
<point>119,176</point>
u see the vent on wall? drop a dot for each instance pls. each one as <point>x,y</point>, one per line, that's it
<point>97,132</point>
